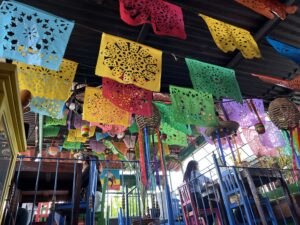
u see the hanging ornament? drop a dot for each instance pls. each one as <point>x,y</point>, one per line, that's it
<point>269,8</point>
<point>151,122</point>
<point>25,96</point>
<point>293,84</point>
<point>259,127</point>
<point>85,129</point>
<point>229,38</point>
<point>284,113</point>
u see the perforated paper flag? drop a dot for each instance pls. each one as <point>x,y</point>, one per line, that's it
<point>45,83</point>
<point>129,62</point>
<point>269,8</point>
<point>165,18</point>
<point>216,80</point>
<point>47,107</point>
<point>229,38</point>
<point>73,137</point>
<point>98,109</point>
<point>286,50</point>
<point>33,36</point>
<point>193,107</point>
<point>128,97</point>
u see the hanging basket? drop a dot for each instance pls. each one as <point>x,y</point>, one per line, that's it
<point>151,122</point>
<point>284,113</point>
<point>224,128</point>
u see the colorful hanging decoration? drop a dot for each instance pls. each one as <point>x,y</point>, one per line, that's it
<point>97,146</point>
<point>47,107</point>
<point>216,80</point>
<point>272,138</point>
<point>112,130</point>
<point>165,18</point>
<point>193,107</point>
<point>150,122</point>
<point>284,113</point>
<point>100,136</point>
<point>49,121</point>
<point>254,143</point>
<point>129,62</point>
<point>42,82</point>
<point>286,50</point>
<point>33,36</point>
<point>98,109</point>
<point>73,137</point>
<point>229,38</point>
<point>173,136</point>
<point>72,145</point>
<point>78,122</point>
<point>128,97</point>
<point>167,117</point>
<point>293,84</point>
<point>50,131</point>
<point>161,97</point>
<point>269,8</point>
<point>244,113</point>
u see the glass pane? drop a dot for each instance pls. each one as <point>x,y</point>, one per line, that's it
<point>5,155</point>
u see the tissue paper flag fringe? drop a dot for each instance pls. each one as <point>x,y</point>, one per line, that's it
<point>269,8</point>
<point>243,113</point>
<point>72,137</point>
<point>128,97</point>
<point>55,122</point>
<point>286,50</point>
<point>165,18</point>
<point>47,107</point>
<point>111,129</point>
<point>272,138</point>
<point>167,117</point>
<point>193,107</point>
<point>293,84</point>
<point>33,36</point>
<point>42,82</point>
<point>229,38</point>
<point>254,143</point>
<point>71,145</point>
<point>217,80</point>
<point>98,109</point>
<point>129,62</point>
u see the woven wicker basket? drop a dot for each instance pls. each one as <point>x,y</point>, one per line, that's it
<point>151,122</point>
<point>284,113</point>
<point>225,128</point>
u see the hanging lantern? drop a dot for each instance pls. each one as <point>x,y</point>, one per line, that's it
<point>85,129</point>
<point>151,122</point>
<point>284,113</point>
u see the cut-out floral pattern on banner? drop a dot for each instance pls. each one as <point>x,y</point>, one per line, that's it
<point>193,107</point>
<point>174,137</point>
<point>216,80</point>
<point>243,113</point>
<point>229,38</point>
<point>110,129</point>
<point>167,117</point>
<point>286,50</point>
<point>47,107</point>
<point>272,138</point>
<point>129,62</point>
<point>128,97</point>
<point>98,109</point>
<point>73,137</point>
<point>42,82</point>
<point>55,122</point>
<point>166,18</point>
<point>293,84</point>
<point>33,36</point>
<point>269,8</point>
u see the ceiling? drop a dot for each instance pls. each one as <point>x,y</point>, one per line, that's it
<point>92,17</point>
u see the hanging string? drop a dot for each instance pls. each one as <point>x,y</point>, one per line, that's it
<point>255,111</point>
